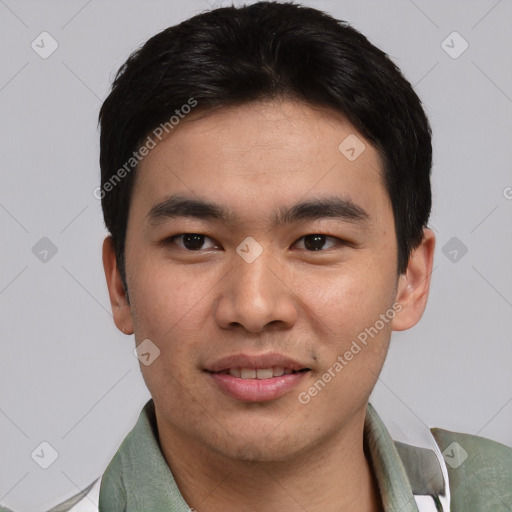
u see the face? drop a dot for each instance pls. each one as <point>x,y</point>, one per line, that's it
<point>257,253</point>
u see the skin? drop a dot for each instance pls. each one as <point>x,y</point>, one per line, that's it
<point>199,306</point>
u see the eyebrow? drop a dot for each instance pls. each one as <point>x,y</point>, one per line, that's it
<point>177,206</point>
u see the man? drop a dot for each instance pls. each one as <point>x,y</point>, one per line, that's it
<point>266,184</point>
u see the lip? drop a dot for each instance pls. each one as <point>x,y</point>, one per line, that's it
<point>256,390</point>
<point>257,361</point>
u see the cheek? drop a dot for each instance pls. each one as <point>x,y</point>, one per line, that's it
<point>168,298</point>
<point>170,321</point>
<point>171,306</point>
<point>352,339</point>
<point>346,302</point>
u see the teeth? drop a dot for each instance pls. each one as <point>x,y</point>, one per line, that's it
<point>247,373</point>
<point>264,373</point>
<point>260,373</point>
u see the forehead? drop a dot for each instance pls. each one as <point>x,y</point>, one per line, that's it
<point>286,128</point>
<point>261,155</point>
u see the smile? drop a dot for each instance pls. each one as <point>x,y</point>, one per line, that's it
<point>259,373</point>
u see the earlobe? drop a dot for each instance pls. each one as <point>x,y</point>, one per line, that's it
<point>414,284</point>
<point>121,311</point>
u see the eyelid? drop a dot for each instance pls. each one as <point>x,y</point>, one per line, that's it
<point>171,239</point>
<point>337,241</point>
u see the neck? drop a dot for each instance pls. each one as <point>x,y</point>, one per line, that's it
<point>331,476</point>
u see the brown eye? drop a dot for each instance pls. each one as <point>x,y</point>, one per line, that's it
<point>190,241</point>
<point>316,242</point>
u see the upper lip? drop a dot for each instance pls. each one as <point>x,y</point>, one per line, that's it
<point>257,361</point>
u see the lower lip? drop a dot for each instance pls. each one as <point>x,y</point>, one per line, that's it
<point>257,390</point>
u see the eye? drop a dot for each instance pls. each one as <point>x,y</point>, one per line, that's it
<point>316,242</point>
<point>190,241</point>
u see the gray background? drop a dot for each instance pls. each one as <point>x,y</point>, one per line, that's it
<point>68,377</point>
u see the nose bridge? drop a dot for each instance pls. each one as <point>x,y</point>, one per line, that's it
<point>254,296</point>
<point>254,282</point>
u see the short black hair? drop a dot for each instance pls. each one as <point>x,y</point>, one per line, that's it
<point>230,56</point>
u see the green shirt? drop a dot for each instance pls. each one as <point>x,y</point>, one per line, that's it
<point>477,476</point>
<point>139,479</point>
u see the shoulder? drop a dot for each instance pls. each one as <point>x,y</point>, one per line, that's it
<point>479,470</point>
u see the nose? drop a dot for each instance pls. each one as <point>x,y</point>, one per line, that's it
<point>256,296</point>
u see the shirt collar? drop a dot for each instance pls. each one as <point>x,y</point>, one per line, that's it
<point>395,490</point>
<point>139,476</point>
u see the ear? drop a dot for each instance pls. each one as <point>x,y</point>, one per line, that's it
<point>414,284</point>
<point>120,307</point>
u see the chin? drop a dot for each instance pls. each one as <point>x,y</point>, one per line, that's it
<point>261,452</point>
<point>257,446</point>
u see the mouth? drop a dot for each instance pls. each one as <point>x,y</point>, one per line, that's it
<point>256,378</point>
<point>259,373</point>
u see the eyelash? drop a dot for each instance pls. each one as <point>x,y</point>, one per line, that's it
<point>170,240</point>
